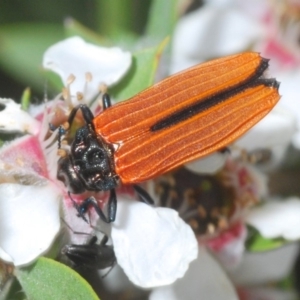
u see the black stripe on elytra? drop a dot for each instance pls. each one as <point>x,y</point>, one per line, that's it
<point>213,100</point>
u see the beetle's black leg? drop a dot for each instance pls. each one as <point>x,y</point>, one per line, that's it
<point>86,113</point>
<point>81,210</point>
<point>143,194</point>
<point>224,150</point>
<point>106,101</point>
<point>83,207</point>
<point>91,201</point>
<point>112,205</point>
<point>104,240</point>
<point>93,240</point>
<point>103,244</point>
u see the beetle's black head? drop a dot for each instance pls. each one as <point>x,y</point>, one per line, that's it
<point>89,166</point>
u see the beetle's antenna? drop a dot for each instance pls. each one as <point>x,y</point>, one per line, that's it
<point>62,129</point>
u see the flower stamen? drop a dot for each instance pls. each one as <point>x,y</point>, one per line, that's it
<point>67,90</point>
<point>62,152</point>
<point>209,203</point>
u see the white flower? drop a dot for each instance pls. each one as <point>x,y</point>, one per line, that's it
<point>274,132</point>
<point>289,88</point>
<point>13,118</point>
<point>205,279</point>
<point>75,56</point>
<point>29,221</point>
<point>29,203</point>
<point>277,219</point>
<point>265,267</point>
<point>210,164</point>
<point>211,31</point>
<point>154,246</point>
<point>274,219</point>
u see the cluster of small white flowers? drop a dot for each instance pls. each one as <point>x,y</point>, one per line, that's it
<point>153,246</point>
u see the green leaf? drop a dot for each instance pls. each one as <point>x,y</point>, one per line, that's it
<point>114,15</point>
<point>25,99</point>
<point>125,39</point>
<point>287,283</point>
<point>50,280</point>
<point>142,73</point>
<point>162,12</point>
<point>121,38</point>
<point>22,48</point>
<point>257,243</point>
<point>74,28</point>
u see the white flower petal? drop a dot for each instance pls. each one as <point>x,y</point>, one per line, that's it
<point>260,268</point>
<point>4,256</point>
<point>75,56</point>
<point>261,181</point>
<point>273,132</point>
<point>23,156</point>
<point>258,9</point>
<point>29,220</point>
<point>77,225</point>
<point>13,118</point>
<point>204,279</point>
<point>277,219</point>
<point>154,246</point>
<point>210,164</point>
<point>211,32</point>
<point>290,91</point>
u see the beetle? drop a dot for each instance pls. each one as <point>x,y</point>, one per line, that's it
<point>91,255</point>
<point>184,117</point>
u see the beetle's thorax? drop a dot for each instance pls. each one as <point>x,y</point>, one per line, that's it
<point>89,165</point>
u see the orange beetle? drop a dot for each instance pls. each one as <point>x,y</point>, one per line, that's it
<point>184,117</point>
